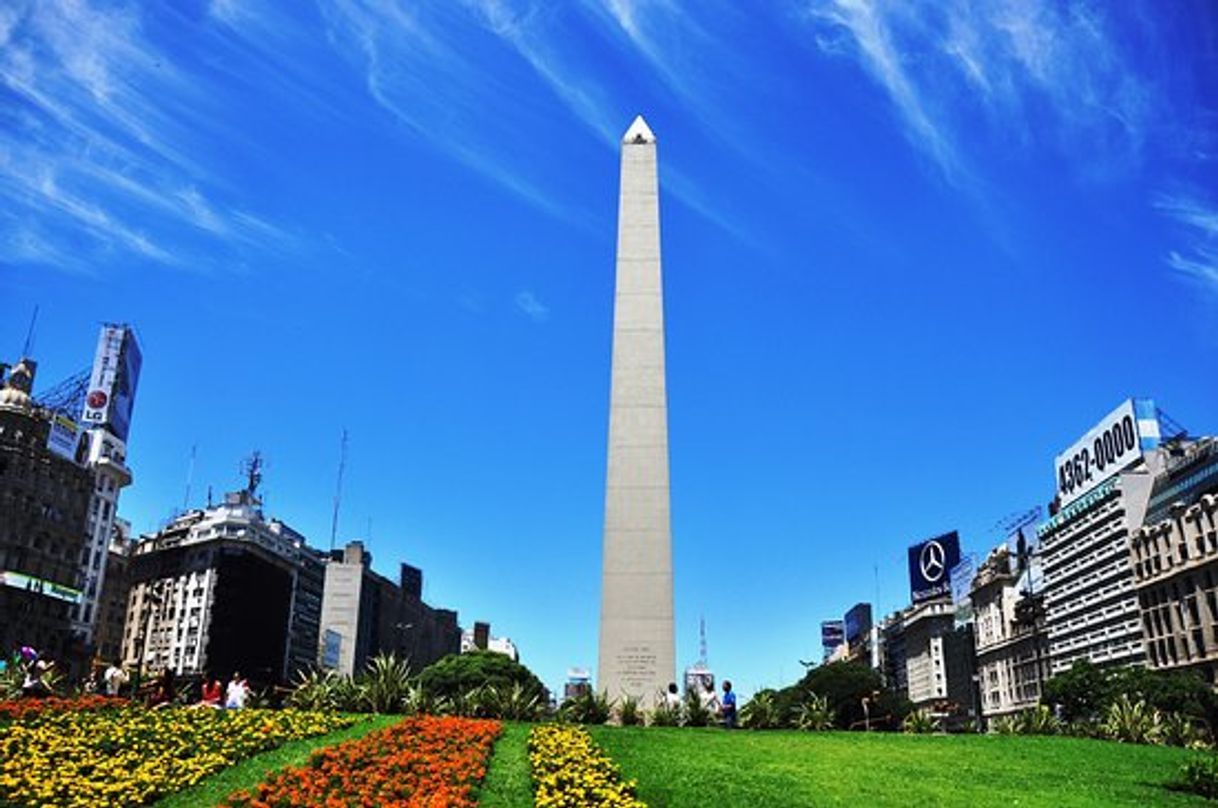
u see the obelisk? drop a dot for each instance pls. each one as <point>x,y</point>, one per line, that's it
<point>636,642</point>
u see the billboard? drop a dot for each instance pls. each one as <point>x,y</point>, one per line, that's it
<point>961,582</point>
<point>331,649</point>
<point>1114,444</point>
<point>19,580</point>
<point>112,385</point>
<point>858,622</point>
<point>832,634</point>
<point>64,437</point>
<point>930,564</point>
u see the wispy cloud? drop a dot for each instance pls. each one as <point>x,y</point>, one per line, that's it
<point>529,305</point>
<point>95,143</point>
<point>1197,220</point>
<point>1042,73</point>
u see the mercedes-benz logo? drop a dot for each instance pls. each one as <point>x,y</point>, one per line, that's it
<point>931,561</point>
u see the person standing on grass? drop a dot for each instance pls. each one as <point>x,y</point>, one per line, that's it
<point>672,699</point>
<point>213,693</point>
<point>238,689</point>
<point>728,706</point>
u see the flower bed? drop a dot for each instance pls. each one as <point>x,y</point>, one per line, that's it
<point>422,761</point>
<point>570,771</point>
<point>59,756</point>
<point>21,709</point>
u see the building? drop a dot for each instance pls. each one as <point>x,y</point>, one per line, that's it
<point>579,683</point>
<point>861,640</point>
<point>105,411</point>
<point>364,614</point>
<point>1104,487</point>
<point>1011,646</point>
<point>1175,562</point>
<point>106,459</point>
<point>938,658</point>
<point>637,651</point>
<point>44,503</point>
<point>112,606</point>
<point>892,665</point>
<point>479,638</point>
<point>223,589</point>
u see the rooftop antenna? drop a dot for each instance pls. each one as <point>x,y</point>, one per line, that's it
<point>209,505</point>
<point>190,476</point>
<point>338,488</point>
<point>702,641</point>
<point>29,335</point>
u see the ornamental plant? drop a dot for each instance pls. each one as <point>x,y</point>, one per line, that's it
<point>83,758</point>
<point>570,771</point>
<point>421,761</point>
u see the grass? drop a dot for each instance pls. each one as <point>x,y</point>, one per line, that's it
<point>508,783</point>
<point>698,767</point>
<point>252,771</point>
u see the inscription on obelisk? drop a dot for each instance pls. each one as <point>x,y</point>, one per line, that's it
<point>636,631</point>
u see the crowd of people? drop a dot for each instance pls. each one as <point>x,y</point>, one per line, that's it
<point>112,680</point>
<point>723,708</point>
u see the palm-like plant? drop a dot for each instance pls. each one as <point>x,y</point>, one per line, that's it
<point>1131,721</point>
<point>919,722</point>
<point>1177,729</point>
<point>385,684</point>
<point>315,691</point>
<point>697,714</point>
<point>814,715</point>
<point>1039,721</point>
<point>665,714</point>
<point>588,707</point>
<point>628,712</point>
<point>519,703</point>
<point>761,712</point>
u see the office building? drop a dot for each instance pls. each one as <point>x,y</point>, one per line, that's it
<point>1175,562</point>
<point>1011,645</point>
<point>364,614</point>
<point>1104,486</point>
<point>223,589</point>
<point>44,501</point>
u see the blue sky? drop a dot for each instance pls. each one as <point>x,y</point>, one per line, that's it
<point>912,250</point>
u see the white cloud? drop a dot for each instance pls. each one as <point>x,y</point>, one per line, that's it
<point>531,307</point>
<point>1197,221</point>
<point>96,149</point>
<point>1040,72</point>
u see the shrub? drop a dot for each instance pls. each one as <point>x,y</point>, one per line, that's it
<point>814,715</point>
<point>628,712</point>
<point>454,676</point>
<point>1006,725</point>
<point>385,684</point>
<point>845,685</point>
<point>588,708</point>
<point>1131,721</point>
<point>665,714</point>
<point>1039,721</point>
<point>1200,776</point>
<point>920,722</point>
<point>1180,730</point>
<point>761,712</point>
<point>696,714</point>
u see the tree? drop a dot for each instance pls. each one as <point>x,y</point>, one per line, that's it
<point>844,685</point>
<point>456,675</point>
<point>1083,692</point>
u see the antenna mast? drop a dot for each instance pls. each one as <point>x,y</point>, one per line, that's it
<point>702,640</point>
<point>190,476</point>
<point>29,335</point>
<point>338,488</point>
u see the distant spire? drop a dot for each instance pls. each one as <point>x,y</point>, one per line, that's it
<point>639,132</point>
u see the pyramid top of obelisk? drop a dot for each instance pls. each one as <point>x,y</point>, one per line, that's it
<point>639,132</point>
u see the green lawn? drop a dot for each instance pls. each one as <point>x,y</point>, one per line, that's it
<point>508,783</point>
<point>701,767</point>
<point>249,773</point>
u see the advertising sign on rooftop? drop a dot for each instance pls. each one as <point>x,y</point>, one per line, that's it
<point>1112,445</point>
<point>858,622</point>
<point>930,564</point>
<point>64,437</point>
<point>112,385</point>
<point>832,634</point>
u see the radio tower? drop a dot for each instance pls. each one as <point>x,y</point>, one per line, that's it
<point>702,641</point>
<point>338,487</point>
